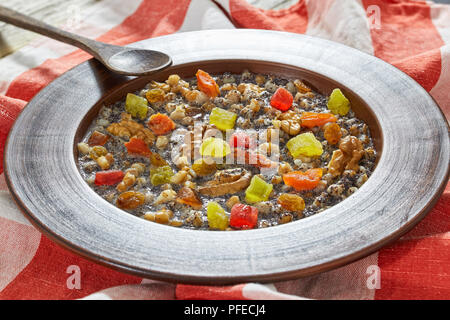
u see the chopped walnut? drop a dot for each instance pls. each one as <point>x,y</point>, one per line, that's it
<point>159,85</point>
<point>208,106</point>
<point>290,122</point>
<point>233,97</point>
<point>228,87</point>
<point>195,219</point>
<point>128,128</point>
<point>162,142</point>
<point>347,157</point>
<point>284,167</point>
<point>232,201</point>
<point>195,96</point>
<point>254,105</point>
<point>165,196</point>
<point>260,79</point>
<point>179,113</point>
<point>249,91</point>
<point>173,80</point>
<point>106,161</point>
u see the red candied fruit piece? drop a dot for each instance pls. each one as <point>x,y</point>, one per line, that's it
<point>243,216</point>
<point>108,178</point>
<point>282,99</point>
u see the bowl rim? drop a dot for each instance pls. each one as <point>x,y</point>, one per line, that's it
<point>254,274</point>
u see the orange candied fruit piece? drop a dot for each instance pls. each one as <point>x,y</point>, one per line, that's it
<point>301,181</point>
<point>138,146</point>
<point>313,119</point>
<point>97,139</point>
<point>207,84</point>
<point>161,124</point>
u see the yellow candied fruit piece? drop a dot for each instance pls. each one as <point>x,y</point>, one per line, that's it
<point>136,106</point>
<point>305,144</point>
<point>214,147</point>
<point>338,103</point>
<point>217,218</point>
<point>222,119</point>
<point>258,190</point>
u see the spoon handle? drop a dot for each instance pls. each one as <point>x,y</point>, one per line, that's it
<point>20,20</point>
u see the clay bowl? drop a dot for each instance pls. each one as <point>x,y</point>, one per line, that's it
<point>409,130</point>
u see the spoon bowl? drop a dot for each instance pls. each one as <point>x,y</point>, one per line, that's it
<point>138,62</point>
<point>122,60</point>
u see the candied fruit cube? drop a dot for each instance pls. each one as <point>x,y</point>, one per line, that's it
<point>338,103</point>
<point>313,119</point>
<point>136,106</point>
<point>222,119</point>
<point>301,181</point>
<point>281,99</point>
<point>207,84</point>
<point>258,190</point>
<point>305,144</point>
<point>108,178</point>
<point>137,146</point>
<point>214,147</point>
<point>243,216</point>
<point>217,218</point>
<point>161,124</point>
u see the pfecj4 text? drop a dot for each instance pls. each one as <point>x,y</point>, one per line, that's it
<point>232,309</point>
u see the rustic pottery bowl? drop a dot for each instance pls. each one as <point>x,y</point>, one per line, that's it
<point>409,131</point>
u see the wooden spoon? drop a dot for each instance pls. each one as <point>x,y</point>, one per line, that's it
<point>122,60</point>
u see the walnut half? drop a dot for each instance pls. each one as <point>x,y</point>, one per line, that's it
<point>127,128</point>
<point>347,157</point>
<point>290,122</point>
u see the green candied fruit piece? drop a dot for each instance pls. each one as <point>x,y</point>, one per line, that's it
<point>338,103</point>
<point>217,218</point>
<point>258,190</point>
<point>136,106</point>
<point>161,175</point>
<point>222,119</point>
<point>305,144</point>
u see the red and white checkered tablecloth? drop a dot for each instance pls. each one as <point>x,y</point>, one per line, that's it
<point>412,35</point>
